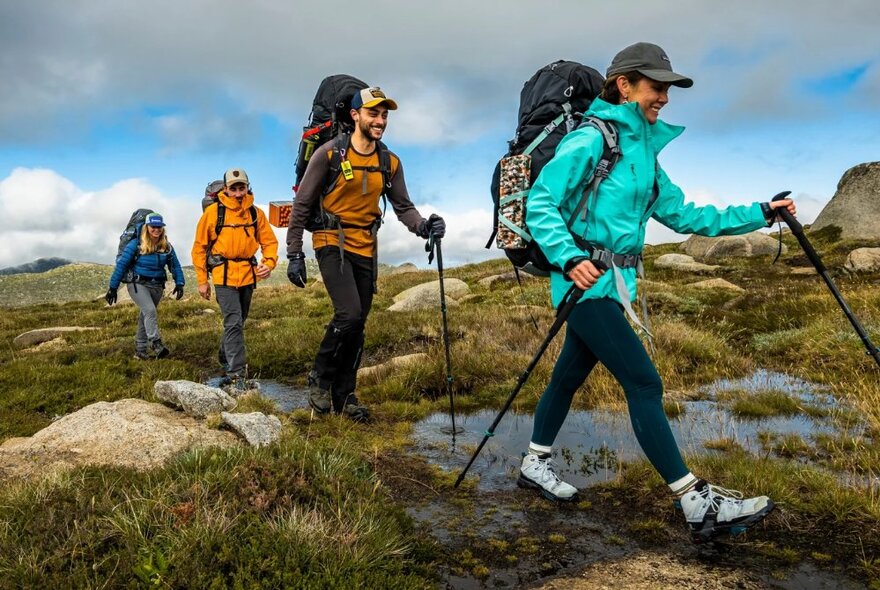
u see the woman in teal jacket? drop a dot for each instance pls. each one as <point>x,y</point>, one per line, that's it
<point>636,190</point>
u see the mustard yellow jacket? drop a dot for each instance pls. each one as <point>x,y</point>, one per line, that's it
<point>238,241</point>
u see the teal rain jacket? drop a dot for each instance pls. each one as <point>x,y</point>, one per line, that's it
<point>618,214</point>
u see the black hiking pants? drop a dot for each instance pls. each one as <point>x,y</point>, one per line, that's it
<point>349,282</point>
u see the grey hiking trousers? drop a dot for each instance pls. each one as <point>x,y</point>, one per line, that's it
<point>235,302</point>
<point>147,297</point>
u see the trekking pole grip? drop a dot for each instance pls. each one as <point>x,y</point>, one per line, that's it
<point>787,217</point>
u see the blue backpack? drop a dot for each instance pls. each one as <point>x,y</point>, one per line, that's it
<point>132,232</point>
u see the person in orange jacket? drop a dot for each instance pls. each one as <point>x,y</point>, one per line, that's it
<point>227,238</point>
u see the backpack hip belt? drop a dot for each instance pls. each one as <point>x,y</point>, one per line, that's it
<point>333,222</point>
<point>608,258</point>
<point>615,262</point>
<point>215,260</point>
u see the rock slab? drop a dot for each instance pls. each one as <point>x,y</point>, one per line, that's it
<point>863,260</point>
<point>195,399</point>
<point>427,295</point>
<point>257,428</point>
<point>742,246</point>
<point>717,284</point>
<point>126,433</point>
<point>683,262</point>
<point>40,335</point>
<point>854,208</point>
<point>377,371</point>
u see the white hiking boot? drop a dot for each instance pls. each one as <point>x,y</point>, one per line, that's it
<point>712,511</point>
<point>537,473</point>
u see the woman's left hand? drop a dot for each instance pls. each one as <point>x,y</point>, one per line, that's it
<point>787,203</point>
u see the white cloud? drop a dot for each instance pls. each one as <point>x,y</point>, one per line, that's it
<point>47,215</point>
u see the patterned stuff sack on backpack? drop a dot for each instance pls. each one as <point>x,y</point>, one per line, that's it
<point>552,103</point>
<point>514,183</point>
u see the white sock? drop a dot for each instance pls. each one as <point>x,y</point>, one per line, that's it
<point>683,485</point>
<point>540,450</point>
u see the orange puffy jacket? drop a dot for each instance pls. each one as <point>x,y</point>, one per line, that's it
<point>238,242</point>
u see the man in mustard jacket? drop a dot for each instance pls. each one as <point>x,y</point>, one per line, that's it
<point>228,236</point>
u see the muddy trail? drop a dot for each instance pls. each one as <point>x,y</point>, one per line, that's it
<point>513,538</point>
<point>491,534</point>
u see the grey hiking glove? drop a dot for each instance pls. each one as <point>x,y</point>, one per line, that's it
<point>432,225</point>
<point>110,296</point>
<point>177,292</point>
<point>296,269</point>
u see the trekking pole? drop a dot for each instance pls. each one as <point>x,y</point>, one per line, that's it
<point>798,231</point>
<point>565,307</point>
<point>433,245</point>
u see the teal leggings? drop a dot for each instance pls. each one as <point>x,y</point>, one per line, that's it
<point>597,331</point>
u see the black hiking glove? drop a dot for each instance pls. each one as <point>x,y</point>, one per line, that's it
<point>296,269</point>
<point>110,296</point>
<point>178,291</point>
<point>433,224</point>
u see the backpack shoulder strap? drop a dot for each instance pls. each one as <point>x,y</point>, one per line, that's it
<point>610,156</point>
<point>253,210</point>
<point>565,115</point>
<point>385,168</point>
<point>221,217</point>
<point>337,155</point>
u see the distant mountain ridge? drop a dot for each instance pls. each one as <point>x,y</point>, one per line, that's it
<point>38,265</point>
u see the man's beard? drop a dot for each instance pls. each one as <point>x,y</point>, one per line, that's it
<point>368,131</point>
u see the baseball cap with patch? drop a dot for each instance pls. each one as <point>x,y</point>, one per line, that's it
<point>649,60</point>
<point>154,220</point>
<point>370,97</point>
<point>234,176</point>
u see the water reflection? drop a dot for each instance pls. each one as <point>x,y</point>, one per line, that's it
<point>592,443</point>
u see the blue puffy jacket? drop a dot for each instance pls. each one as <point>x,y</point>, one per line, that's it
<point>618,215</point>
<point>146,267</point>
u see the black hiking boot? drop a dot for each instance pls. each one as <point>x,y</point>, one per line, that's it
<point>159,349</point>
<point>319,398</point>
<point>353,410</point>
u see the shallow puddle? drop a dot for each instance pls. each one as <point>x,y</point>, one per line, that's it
<point>591,444</point>
<point>286,397</point>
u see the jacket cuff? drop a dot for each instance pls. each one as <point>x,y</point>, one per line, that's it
<point>573,262</point>
<point>768,213</point>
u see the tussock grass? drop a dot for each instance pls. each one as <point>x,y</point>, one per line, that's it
<point>217,517</point>
<point>301,514</point>
<point>762,404</point>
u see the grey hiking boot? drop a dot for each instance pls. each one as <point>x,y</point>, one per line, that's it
<point>712,511</point>
<point>354,410</point>
<point>319,398</point>
<point>159,349</point>
<point>537,473</point>
<point>141,355</point>
<point>240,385</point>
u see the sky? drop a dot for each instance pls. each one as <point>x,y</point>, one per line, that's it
<point>109,106</point>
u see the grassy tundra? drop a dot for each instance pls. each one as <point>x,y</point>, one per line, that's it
<point>322,508</point>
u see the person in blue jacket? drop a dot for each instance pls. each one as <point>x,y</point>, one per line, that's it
<point>142,265</point>
<point>637,189</point>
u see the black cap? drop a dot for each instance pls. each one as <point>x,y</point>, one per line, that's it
<point>649,60</point>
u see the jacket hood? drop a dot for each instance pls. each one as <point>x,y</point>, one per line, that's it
<point>233,204</point>
<point>631,120</point>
